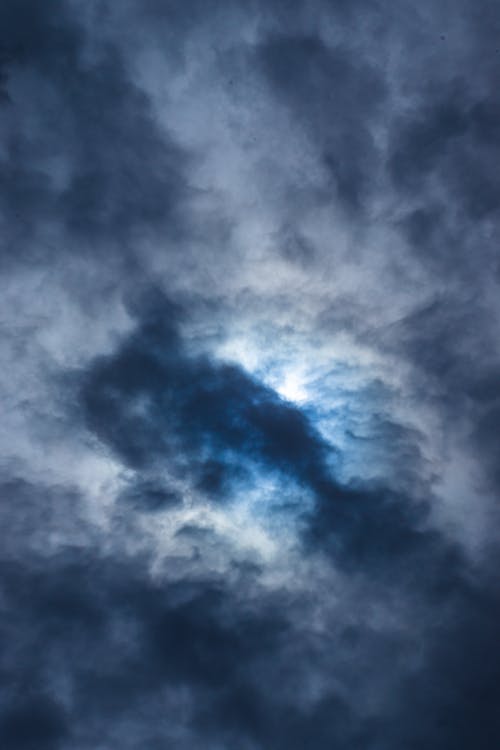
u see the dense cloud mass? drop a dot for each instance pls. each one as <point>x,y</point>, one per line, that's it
<point>251,375</point>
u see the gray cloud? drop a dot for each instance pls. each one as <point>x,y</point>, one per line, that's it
<point>249,483</point>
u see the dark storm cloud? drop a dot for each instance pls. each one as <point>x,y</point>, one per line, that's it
<point>450,343</point>
<point>31,513</point>
<point>443,145</point>
<point>486,395</point>
<point>449,133</point>
<point>122,646</point>
<point>115,643</point>
<point>442,159</point>
<point>84,151</point>
<point>33,722</point>
<point>334,94</point>
<point>383,634</point>
<point>154,404</point>
<point>459,692</point>
<point>149,495</point>
<point>105,652</point>
<point>151,401</point>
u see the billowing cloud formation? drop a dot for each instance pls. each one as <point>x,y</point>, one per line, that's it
<point>250,390</point>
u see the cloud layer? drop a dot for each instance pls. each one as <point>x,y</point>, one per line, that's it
<point>251,381</point>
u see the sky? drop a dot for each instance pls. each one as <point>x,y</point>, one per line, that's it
<point>250,380</point>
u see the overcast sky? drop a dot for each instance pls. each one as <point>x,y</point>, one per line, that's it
<point>250,382</point>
